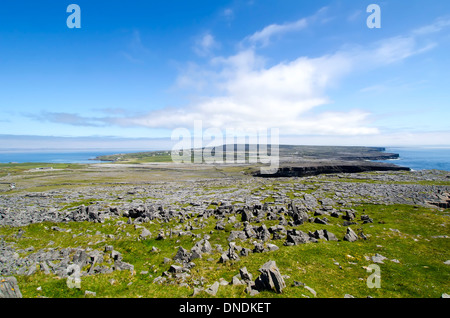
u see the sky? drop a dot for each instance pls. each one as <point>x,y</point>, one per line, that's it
<point>138,70</point>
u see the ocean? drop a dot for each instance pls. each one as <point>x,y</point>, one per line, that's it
<point>415,158</point>
<point>54,156</point>
<point>424,158</point>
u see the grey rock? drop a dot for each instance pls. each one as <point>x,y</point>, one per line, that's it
<point>350,236</point>
<point>224,258</point>
<point>9,287</point>
<point>116,256</point>
<point>120,265</point>
<point>259,248</point>
<point>349,215</point>
<point>213,289</point>
<point>378,258</point>
<point>245,275</point>
<point>329,236</point>
<point>270,278</point>
<point>320,221</point>
<point>182,255</point>
<point>312,291</point>
<point>145,234</point>
<point>245,251</point>
<point>262,233</point>
<point>236,281</point>
<point>88,293</point>
<point>237,235</point>
<point>366,219</point>
<point>295,237</point>
<point>220,226</point>
<point>246,216</point>
<point>176,269</point>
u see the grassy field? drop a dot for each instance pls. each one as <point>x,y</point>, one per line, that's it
<point>414,239</point>
<point>407,234</point>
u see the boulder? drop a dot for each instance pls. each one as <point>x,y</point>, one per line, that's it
<point>262,233</point>
<point>203,246</point>
<point>329,236</point>
<point>237,235</point>
<point>349,215</point>
<point>245,275</point>
<point>119,266</point>
<point>320,221</point>
<point>182,255</point>
<point>9,288</point>
<point>213,289</point>
<point>220,226</point>
<point>350,236</point>
<point>249,230</point>
<point>366,219</point>
<point>378,258</point>
<point>295,237</point>
<point>145,234</point>
<point>259,248</point>
<point>270,278</point>
<point>246,216</point>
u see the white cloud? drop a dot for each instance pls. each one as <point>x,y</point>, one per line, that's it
<point>354,16</point>
<point>205,44</point>
<point>242,91</point>
<point>264,36</point>
<point>228,13</point>
<point>437,26</point>
<point>255,96</point>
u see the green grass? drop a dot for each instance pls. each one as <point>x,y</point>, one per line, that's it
<point>400,232</point>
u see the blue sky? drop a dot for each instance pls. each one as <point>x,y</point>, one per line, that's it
<point>313,69</point>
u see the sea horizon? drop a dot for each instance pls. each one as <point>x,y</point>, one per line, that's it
<point>415,158</point>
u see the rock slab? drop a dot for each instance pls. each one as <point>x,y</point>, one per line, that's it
<point>270,278</point>
<point>9,288</point>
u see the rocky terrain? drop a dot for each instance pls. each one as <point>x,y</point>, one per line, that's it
<point>226,219</point>
<point>191,198</point>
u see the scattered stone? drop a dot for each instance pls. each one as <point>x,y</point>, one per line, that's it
<point>312,291</point>
<point>366,219</point>
<point>272,247</point>
<point>88,293</point>
<point>213,289</point>
<point>270,278</point>
<point>145,234</point>
<point>350,236</point>
<point>182,255</point>
<point>9,287</point>
<point>329,236</point>
<point>295,237</point>
<point>320,221</point>
<point>245,275</point>
<point>378,258</point>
